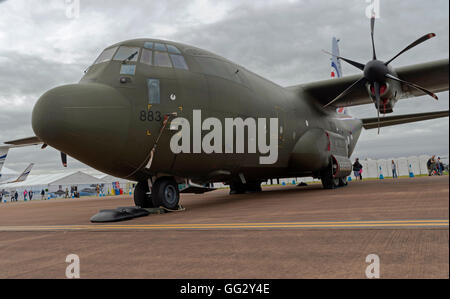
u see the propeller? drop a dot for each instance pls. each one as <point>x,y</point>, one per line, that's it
<point>377,72</point>
<point>63,155</point>
<point>64,159</point>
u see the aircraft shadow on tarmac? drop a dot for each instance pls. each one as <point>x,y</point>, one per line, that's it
<point>275,193</point>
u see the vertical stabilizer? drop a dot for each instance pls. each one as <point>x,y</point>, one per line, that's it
<point>3,154</point>
<point>24,174</point>
<point>336,68</point>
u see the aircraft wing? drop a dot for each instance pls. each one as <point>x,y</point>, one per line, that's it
<point>433,76</point>
<point>24,142</point>
<point>372,123</point>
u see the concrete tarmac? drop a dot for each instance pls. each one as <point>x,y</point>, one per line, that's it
<point>283,232</point>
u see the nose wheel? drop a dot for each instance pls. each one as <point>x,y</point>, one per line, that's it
<point>165,193</point>
<point>142,197</point>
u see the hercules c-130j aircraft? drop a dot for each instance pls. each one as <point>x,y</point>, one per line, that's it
<point>164,113</point>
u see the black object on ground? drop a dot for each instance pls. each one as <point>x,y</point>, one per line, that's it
<point>119,214</point>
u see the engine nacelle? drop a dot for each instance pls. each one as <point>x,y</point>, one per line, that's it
<point>389,92</point>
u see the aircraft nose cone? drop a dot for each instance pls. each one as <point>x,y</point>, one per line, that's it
<point>47,115</point>
<point>89,122</point>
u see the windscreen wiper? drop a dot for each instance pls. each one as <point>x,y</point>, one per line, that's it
<point>130,57</point>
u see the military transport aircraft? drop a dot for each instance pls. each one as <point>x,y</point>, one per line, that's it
<point>124,118</point>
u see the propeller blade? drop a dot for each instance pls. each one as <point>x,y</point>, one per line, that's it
<point>64,159</point>
<point>345,92</point>
<point>417,42</point>
<point>372,31</point>
<point>413,85</point>
<point>354,63</point>
<point>376,86</point>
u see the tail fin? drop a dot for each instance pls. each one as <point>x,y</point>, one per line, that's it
<point>24,174</point>
<point>336,68</point>
<point>3,154</point>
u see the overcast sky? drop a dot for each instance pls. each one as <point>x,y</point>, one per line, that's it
<point>43,46</point>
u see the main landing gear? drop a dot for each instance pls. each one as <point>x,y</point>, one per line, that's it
<point>240,188</point>
<point>329,181</point>
<point>164,193</point>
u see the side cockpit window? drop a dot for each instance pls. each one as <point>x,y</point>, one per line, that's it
<point>106,55</point>
<point>178,62</point>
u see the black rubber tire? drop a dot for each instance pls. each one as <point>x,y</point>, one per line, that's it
<point>328,181</point>
<point>253,188</point>
<point>166,193</point>
<point>141,198</point>
<point>343,182</point>
<point>237,188</point>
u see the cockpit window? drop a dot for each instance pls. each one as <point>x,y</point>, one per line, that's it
<point>160,47</point>
<point>126,52</point>
<point>173,49</point>
<point>162,59</point>
<point>148,45</point>
<point>106,55</point>
<point>146,56</point>
<point>179,62</point>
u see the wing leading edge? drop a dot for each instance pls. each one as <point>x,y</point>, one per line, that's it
<point>372,123</point>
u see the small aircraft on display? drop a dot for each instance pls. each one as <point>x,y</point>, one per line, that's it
<point>163,113</point>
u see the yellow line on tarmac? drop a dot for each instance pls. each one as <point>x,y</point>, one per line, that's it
<point>337,224</point>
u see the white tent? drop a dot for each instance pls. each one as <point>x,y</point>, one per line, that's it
<point>7,174</point>
<point>54,184</point>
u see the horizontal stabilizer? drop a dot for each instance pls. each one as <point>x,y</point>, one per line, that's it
<point>372,123</point>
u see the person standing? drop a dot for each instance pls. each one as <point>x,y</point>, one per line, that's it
<point>439,166</point>
<point>42,194</point>
<point>16,196</point>
<point>30,195</point>
<point>25,194</point>
<point>394,170</point>
<point>357,169</point>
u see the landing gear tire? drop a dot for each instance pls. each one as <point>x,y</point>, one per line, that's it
<point>239,188</point>
<point>165,193</point>
<point>343,182</point>
<point>328,180</point>
<point>141,197</point>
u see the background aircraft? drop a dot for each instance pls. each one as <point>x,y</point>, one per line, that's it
<point>118,118</point>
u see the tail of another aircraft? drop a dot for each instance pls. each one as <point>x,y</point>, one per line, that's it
<point>336,68</point>
<point>3,154</point>
<point>24,174</point>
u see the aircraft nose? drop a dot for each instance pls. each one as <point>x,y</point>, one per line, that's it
<point>89,122</point>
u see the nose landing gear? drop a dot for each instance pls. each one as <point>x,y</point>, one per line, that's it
<point>164,193</point>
